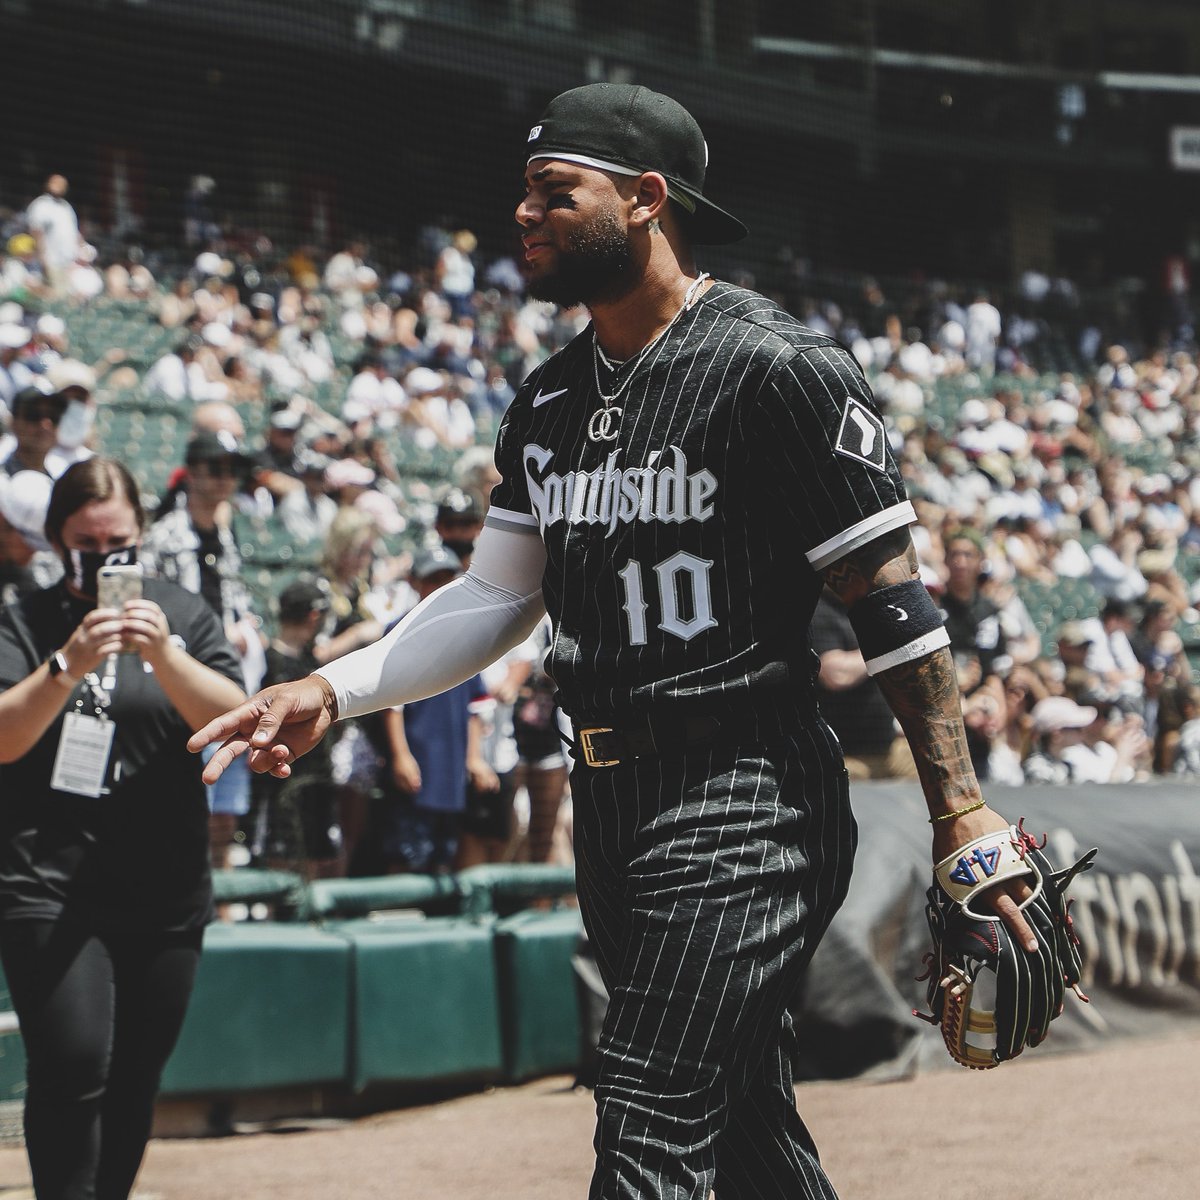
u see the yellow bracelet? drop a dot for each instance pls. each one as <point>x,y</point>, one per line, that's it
<point>959,812</point>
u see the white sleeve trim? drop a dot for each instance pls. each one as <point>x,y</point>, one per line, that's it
<point>864,531</point>
<point>927,643</point>
<point>455,633</point>
<point>508,518</point>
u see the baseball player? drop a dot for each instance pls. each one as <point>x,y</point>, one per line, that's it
<point>677,483</point>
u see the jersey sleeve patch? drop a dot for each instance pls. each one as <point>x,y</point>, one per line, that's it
<point>861,436</point>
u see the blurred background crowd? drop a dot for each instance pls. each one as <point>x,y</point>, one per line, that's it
<point>312,432</point>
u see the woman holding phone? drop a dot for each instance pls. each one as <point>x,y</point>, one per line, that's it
<point>105,885</point>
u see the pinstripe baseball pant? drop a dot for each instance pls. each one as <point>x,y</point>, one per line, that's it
<point>706,878</point>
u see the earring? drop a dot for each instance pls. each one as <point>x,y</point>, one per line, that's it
<point>654,226</point>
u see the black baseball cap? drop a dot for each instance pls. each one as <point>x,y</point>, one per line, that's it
<point>630,129</point>
<point>301,597</point>
<point>212,446</point>
<point>434,561</point>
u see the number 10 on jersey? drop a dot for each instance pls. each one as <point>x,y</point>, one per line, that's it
<point>684,597</point>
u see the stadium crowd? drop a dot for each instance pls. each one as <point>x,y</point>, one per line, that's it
<point>344,408</point>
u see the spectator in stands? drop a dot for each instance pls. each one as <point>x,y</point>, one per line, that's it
<point>1074,645</point>
<point>179,376</point>
<point>434,751</point>
<point>346,565</point>
<point>456,272</point>
<point>374,393</point>
<point>1110,654</point>
<point>21,276</point>
<point>35,420</point>
<point>983,327</point>
<point>308,512</point>
<point>475,473</point>
<point>55,228</point>
<point>192,545</point>
<point>27,561</point>
<point>972,620</point>
<point>1155,633</point>
<point>851,701</point>
<point>107,886</point>
<point>75,382</point>
<point>542,768</point>
<point>348,277</point>
<point>488,826</point>
<point>296,822</point>
<point>14,371</point>
<point>277,466</point>
<point>459,523</point>
<point>439,415</point>
<point>1186,761</point>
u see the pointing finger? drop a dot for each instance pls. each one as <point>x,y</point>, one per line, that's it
<point>223,757</point>
<point>244,718</point>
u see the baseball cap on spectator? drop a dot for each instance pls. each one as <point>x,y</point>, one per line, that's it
<point>70,373</point>
<point>51,326</point>
<point>434,561</point>
<point>24,499</point>
<point>1074,633</point>
<point>354,411</point>
<point>216,334</point>
<point>212,446</point>
<point>997,468</point>
<point>383,511</point>
<point>1155,562</point>
<point>422,381</point>
<point>209,263</point>
<point>348,472</point>
<point>13,336</point>
<point>309,462</point>
<point>1060,712</point>
<point>33,404</point>
<point>457,503</point>
<point>301,597</point>
<point>627,129</point>
<point>287,418</point>
<point>973,412</point>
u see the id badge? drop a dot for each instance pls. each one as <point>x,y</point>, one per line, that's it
<point>84,747</point>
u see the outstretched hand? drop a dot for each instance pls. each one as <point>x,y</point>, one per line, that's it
<point>275,727</point>
<point>1004,898</point>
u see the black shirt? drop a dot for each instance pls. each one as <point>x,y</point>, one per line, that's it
<point>974,628</point>
<point>859,715</point>
<point>138,855</point>
<point>685,555</point>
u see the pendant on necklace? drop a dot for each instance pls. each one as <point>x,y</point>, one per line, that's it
<point>604,424</point>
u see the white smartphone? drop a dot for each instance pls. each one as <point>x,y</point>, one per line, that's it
<point>115,585</point>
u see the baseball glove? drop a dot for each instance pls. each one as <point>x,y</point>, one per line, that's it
<point>991,997</point>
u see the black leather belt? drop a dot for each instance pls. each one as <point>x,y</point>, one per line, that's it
<point>606,746</point>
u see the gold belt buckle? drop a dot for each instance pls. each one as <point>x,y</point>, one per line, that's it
<point>589,754</point>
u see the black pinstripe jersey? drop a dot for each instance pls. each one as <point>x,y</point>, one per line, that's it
<point>684,554</point>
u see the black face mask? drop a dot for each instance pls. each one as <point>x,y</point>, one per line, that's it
<point>459,546</point>
<point>82,565</point>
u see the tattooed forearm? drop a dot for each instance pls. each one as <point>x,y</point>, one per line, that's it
<point>886,560</point>
<point>924,696</point>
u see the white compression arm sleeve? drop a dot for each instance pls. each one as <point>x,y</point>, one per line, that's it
<point>456,632</point>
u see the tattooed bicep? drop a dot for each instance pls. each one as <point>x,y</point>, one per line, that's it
<point>885,560</point>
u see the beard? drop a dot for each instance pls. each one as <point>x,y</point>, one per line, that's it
<point>593,267</point>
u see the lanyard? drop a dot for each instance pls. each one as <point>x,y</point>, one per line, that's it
<point>100,687</point>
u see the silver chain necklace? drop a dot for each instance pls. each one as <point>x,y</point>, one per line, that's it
<point>605,421</point>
